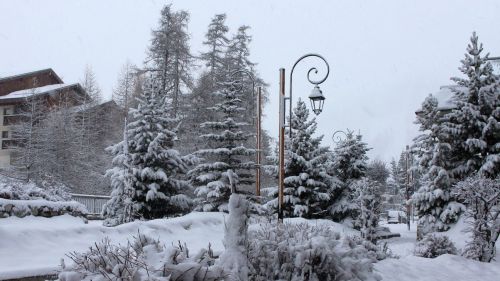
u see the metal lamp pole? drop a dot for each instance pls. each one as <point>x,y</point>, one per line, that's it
<point>258,135</point>
<point>317,102</point>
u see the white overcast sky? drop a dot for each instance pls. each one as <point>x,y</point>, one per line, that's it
<point>385,56</point>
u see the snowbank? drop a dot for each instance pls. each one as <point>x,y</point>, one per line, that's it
<point>442,268</point>
<point>36,245</point>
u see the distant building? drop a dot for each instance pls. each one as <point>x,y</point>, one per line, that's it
<point>445,99</point>
<point>445,94</point>
<point>15,90</point>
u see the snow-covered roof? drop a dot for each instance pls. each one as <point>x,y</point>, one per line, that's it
<point>444,97</point>
<point>49,89</point>
<point>8,76</point>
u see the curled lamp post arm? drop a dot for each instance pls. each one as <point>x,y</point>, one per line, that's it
<point>339,136</point>
<point>249,74</point>
<point>314,82</point>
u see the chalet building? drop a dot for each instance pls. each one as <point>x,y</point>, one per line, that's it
<point>14,92</point>
<point>444,98</point>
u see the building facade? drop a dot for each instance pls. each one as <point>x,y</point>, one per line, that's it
<point>16,91</point>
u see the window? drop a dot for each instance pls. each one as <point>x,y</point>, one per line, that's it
<point>8,120</point>
<point>7,111</point>
<point>8,144</point>
<point>5,134</point>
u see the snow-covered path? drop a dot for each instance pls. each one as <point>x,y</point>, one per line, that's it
<point>442,268</point>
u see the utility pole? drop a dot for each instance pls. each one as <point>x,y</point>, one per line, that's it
<point>259,144</point>
<point>281,176</point>
<point>407,185</point>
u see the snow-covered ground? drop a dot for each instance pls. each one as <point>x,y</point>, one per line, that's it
<point>443,268</point>
<point>35,245</point>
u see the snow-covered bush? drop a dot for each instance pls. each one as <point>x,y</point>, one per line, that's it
<point>44,208</point>
<point>19,198</point>
<point>304,252</point>
<point>19,190</point>
<point>143,258</point>
<point>482,198</point>
<point>433,245</point>
<point>379,251</point>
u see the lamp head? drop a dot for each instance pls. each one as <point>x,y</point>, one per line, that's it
<point>317,100</point>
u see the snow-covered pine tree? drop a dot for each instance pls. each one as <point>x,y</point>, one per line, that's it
<point>433,201</point>
<point>377,171</point>
<point>226,152</point>
<point>120,208</point>
<point>369,203</point>
<point>429,119</point>
<point>203,95</point>
<point>307,185</point>
<point>237,57</point>
<point>156,166</point>
<point>348,163</point>
<point>474,123</point>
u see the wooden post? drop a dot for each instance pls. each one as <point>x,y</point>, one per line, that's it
<point>281,177</point>
<point>259,148</point>
<point>407,183</point>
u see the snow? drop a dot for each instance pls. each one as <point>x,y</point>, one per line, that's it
<point>444,97</point>
<point>37,91</point>
<point>443,268</point>
<point>36,244</point>
<point>38,203</point>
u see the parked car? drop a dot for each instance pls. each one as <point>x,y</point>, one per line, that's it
<point>394,216</point>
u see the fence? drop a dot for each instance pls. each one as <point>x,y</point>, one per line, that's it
<point>93,203</point>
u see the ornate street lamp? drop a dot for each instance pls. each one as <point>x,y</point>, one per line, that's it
<point>258,135</point>
<point>317,101</point>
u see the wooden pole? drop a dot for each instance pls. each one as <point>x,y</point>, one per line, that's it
<point>281,177</point>
<point>259,148</point>
<point>407,183</point>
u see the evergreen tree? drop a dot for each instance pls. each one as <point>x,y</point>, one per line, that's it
<point>307,185</point>
<point>216,42</point>
<point>169,57</point>
<point>377,171</point>
<point>369,203</point>
<point>349,163</point>
<point>457,144</point>
<point>433,201</point>
<point>156,167</point>
<point>204,93</point>
<point>474,123</point>
<point>120,208</point>
<point>225,156</point>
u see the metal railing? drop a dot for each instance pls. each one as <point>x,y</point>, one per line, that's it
<point>94,203</point>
